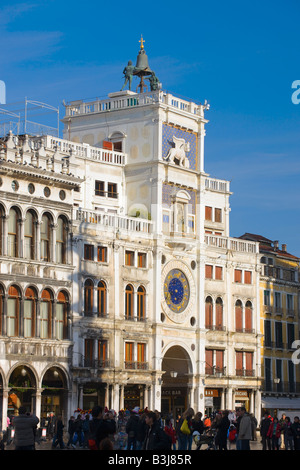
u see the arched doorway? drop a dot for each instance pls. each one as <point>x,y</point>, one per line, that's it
<point>54,395</point>
<point>177,369</point>
<point>22,385</point>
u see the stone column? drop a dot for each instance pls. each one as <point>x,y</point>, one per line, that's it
<point>4,408</point>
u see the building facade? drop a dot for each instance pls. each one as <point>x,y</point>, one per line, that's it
<point>120,283</point>
<point>279,301</point>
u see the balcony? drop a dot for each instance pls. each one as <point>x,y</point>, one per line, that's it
<point>270,386</point>
<point>215,371</point>
<point>125,100</point>
<point>94,363</point>
<point>135,318</point>
<point>114,221</point>
<point>233,244</point>
<point>245,373</point>
<point>134,365</point>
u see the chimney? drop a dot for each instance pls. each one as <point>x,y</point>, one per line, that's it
<point>276,244</point>
<point>284,247</point>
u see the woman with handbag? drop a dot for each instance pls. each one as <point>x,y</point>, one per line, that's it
<point>184,429</point>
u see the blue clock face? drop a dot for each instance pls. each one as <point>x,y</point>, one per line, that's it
<point>176,290</point>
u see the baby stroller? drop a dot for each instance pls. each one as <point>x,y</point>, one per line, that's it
<point>207,438</point>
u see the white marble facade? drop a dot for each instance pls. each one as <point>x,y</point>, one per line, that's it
<point>152,275</point>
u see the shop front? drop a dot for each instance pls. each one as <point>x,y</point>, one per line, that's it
<point>212,400</point>
<point>174,401</point>
<point>241,399</point>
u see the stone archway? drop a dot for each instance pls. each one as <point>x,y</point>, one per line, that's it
<point>177,367</point>
<point>55,394</point>
<point>22,384</point>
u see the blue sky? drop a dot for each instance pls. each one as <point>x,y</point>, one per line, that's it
<point>241,56</point>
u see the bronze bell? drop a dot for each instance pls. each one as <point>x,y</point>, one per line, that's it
<point>142,62</point>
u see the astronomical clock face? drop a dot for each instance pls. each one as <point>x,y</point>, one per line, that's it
<point>176,290</point>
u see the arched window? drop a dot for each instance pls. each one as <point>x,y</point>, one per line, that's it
<point>13,233</point>
<point>101,299</point>
<point>238,316</point>
<point>129,302</point>
<point>46,314</point>
<point>248,317</point>
<point>13,311</point>
<point>141,303</point>
<point>88,297</point>
<point>62,316</point>
<point>219,314</point>
<point>208,313</point>
<point>29,235</point>
<point>61,240</point>
<point>29,312</point>
<point>45,237</point>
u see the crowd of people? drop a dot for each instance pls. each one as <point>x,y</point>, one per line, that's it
<point>103,429</point>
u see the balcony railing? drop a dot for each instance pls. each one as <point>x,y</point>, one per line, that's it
<point>215,371</point>
<point>215,327</point>
<point>135,365</point>
<point>280,387</point>
<point>233,244</point>
<point>245,373</point>
<point>135,318</point>
<point>95,363</point>
<point>114,221</point>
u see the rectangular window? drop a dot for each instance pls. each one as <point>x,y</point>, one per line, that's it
<point>99,188</point>
<point>218,215</point>
<point>289,302</point>
<point>45,319</point>
<point>267,298</point>
<point>237,275</point>
<point>277,299</point>
<point>129,258</point>
<point>102,254</point>
<point>239,363</point>
<point>219,273</point>
<point>290,335</point>
<point>248,277</point>
<point>102,350</point>
<point>208,213</point>
<point>208,271</point>
<point>129,359</point>
<point>89,252</point>
<point>278,335</point>
<point>60,321</point>
<point>28,318</point>
<point>267,328</point>
<point>249,363</point>
<point>12,315</point>
<point>141,353</point>
<point>142,260</point>
<point>88,352</point>
<point>112,190</point>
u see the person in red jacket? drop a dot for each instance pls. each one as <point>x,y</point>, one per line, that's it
<point>274,434</point>
<point>171,432</point>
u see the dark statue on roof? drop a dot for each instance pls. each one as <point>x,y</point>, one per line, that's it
<point>141,70</point>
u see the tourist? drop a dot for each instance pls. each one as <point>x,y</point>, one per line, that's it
<point>25,429</point>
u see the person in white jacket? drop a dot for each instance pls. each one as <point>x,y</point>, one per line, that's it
<point>245,431</point>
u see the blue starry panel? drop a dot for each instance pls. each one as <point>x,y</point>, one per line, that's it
<point>189,136</point>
